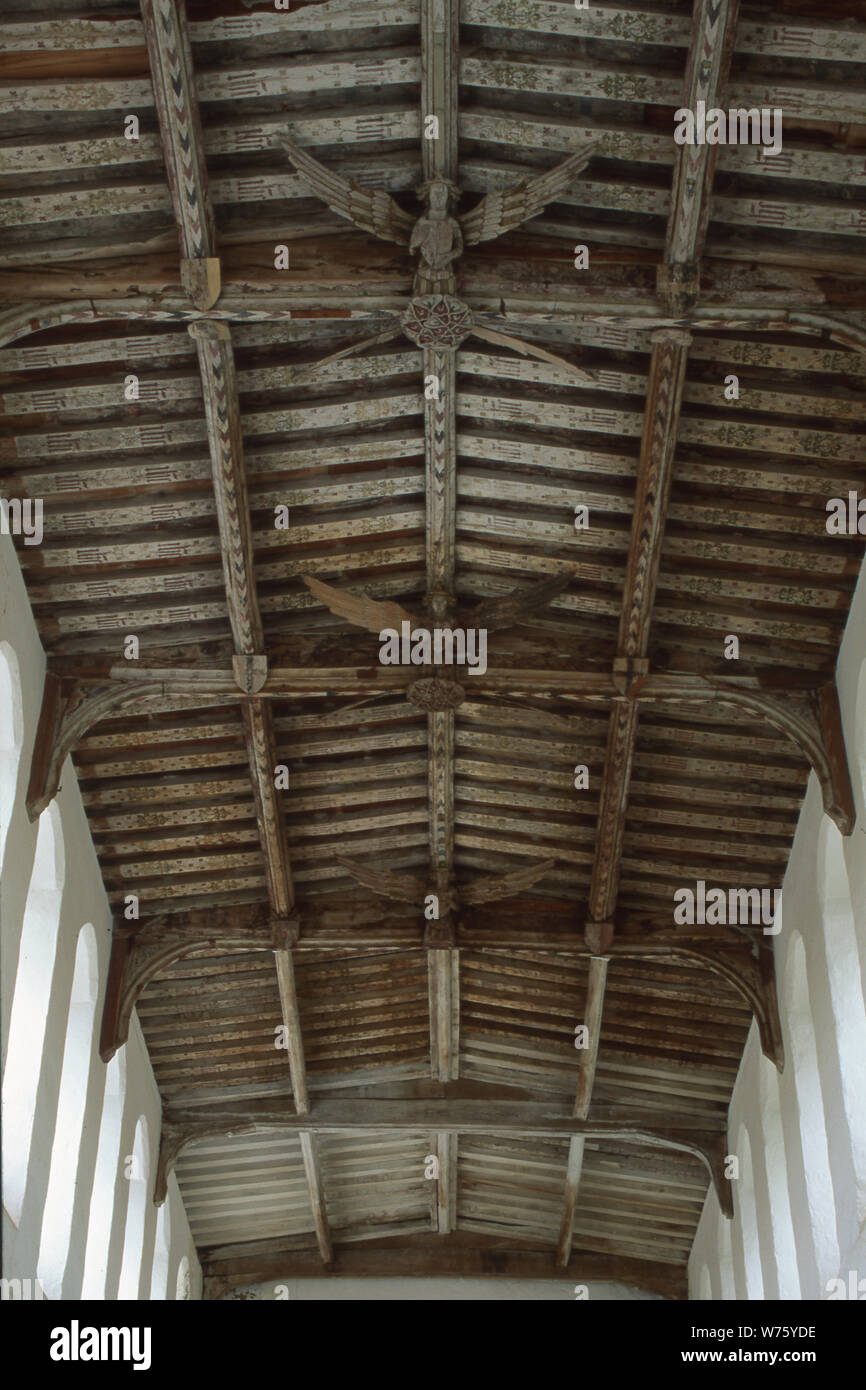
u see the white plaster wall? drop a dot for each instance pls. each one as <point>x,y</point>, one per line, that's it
<point>808,1211</point>
<point>439,1290</point>
<point>83,900</point>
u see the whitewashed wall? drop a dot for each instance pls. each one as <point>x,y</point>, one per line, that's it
<point>800,1199</point>
<point>439,1291</point>
<point>99,1194</point>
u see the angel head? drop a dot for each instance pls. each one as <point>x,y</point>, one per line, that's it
<point>438,193</point>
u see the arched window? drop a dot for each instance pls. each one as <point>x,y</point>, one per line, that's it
<point>162,1246</point>
<point>747,1218</point>
<point>105,1179</point>
<point>11,729</point>
<point>74,1078</point>
<point>134,1171</point>
<point>812,1121</point>
<point>30,1008</point>
<point>781,1225</point>
<point>182,1287</point>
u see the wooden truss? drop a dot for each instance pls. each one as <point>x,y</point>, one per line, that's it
<point>80,693</point>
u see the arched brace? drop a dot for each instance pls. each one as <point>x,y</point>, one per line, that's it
<point>34,317</point>
<point>139,953</point>
<point>848,332</point>
<point>812,718</point>
<point>163,307</point>
<point>69,710</point>
<point>711,1149</point>
<point>709,1146</point>
<point>751,972</point>
<point>174,1138</point>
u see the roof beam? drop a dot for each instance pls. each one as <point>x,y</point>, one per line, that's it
<point>225,442</point>
<point>585,1082</point>
<point>446,1185</point>
<point>442,1259</point>
<point>317,1197</point>
<point>711,48</point>
<point>79,693</point>
<point>661,417</point>
<point>166,33</point>
<point>706,1140</point>
<point>174,84</point>
<point>710,52</point>
<point>439,65</point>
<point>39,302</point>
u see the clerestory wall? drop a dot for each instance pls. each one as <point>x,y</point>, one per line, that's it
<point>79,1138</point>
<point>799,1227</point>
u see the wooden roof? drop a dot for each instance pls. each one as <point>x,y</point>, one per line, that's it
<point>603,387</point>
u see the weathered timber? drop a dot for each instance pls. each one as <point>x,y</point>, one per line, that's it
<point>166,32</point>
<point>711,47</point>
<point>509,1119</point>
<point>317,1197</point>
<point>68,711</point>
<point>661,418</point>
<point>443,1261</point>
<point>585,1081</point>
<point>808,715</point>
<point>139,953</point>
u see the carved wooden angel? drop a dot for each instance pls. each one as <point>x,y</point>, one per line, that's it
<point>375,615</point>
<point>436,236</point>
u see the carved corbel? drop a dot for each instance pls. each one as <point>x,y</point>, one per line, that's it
<point>139,953</point>
<point>813,720</point>
<point>69,711</point>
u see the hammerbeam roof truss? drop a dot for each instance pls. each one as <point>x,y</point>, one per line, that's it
<point>266,381</point>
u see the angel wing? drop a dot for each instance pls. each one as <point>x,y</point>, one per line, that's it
<point>493,886</point>
<point>404,887</point>
<point>498,212</point>
<point>495,613</point>
<point>374,615</point>
<point>371,209</point>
